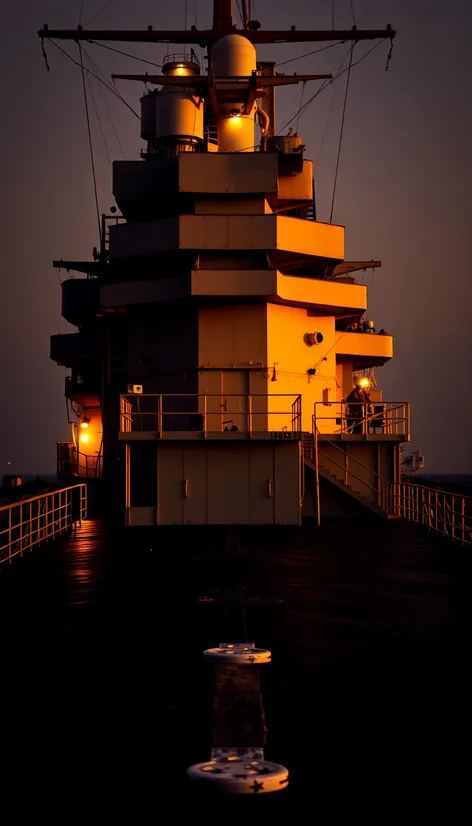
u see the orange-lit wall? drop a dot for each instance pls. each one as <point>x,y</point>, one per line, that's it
<point>344,366</point>
<point>232,336</point>
<point>286,331</point>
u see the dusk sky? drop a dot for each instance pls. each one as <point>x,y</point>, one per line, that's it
<point>404,193</point>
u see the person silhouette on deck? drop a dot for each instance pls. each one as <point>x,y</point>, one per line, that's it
<point>357,401</point>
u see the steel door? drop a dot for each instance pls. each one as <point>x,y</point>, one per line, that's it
<point>226,402</point>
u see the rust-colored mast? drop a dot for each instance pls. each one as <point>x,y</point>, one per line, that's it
<point>222,15</point>
<point>207,37</point>
<point>222,24</point>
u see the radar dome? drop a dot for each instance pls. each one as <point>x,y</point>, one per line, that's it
<point>233,56</point>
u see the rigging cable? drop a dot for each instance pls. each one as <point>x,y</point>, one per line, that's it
<point>110,88</point>
<point>330,112</point>
<point>335,13</point>
<point>97,115</point>
<point>328,119</point>
<point>98,12</point>
<point>308,54</point>
<point>125,54</point>
<point>327,83</point>
<point>324,85</point>
<point>81,11</point>
<point>341,133</point>
<point>90,142</point>
<point>112,122</point>
<point>238,4</point>
<point>342,18</point>
<point>353,14</point>
<point>300,108</point>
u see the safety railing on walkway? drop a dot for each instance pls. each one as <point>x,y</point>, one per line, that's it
<point>369,420</point>
<point>108,220</point>
<point>440,511</point>
<point>210,412</point>
<point>30,522</point>
<point>71,462</point>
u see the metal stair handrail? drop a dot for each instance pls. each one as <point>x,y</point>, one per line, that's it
<point>316,431</point>
<point>382,492</point>
<point>352,474</point>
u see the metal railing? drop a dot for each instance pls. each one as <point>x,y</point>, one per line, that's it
<point>71,462</point>
<point>440,511</point>
<point>210,413</point>
<point>383,490</point>
<point>78,386</point>
<point>387,418</point>
<point>108,220</point>
<point>30,522</point>
<point>443,512</point>
<point>181,57</point>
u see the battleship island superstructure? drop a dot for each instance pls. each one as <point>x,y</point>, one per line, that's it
<point>216,340</point>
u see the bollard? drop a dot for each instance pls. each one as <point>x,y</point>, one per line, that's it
<point>239,653</point>
<point>238,718</point>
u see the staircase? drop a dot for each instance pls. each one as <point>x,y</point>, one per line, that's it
<point>362,500</point>
<point>311,214</point>
<point>377,499</point>
<point>211,132</point>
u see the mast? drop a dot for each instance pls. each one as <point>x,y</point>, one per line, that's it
<point>207,37</point>
<point>222,15</point>
<point>245,13</point>
<point>222,24</point>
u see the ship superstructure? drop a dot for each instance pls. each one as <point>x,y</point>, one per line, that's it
<point>219,326</point>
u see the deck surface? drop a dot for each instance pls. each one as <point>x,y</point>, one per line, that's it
<point>106,701</point>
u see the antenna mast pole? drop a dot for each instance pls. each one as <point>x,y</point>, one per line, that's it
<point>222,15</point>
